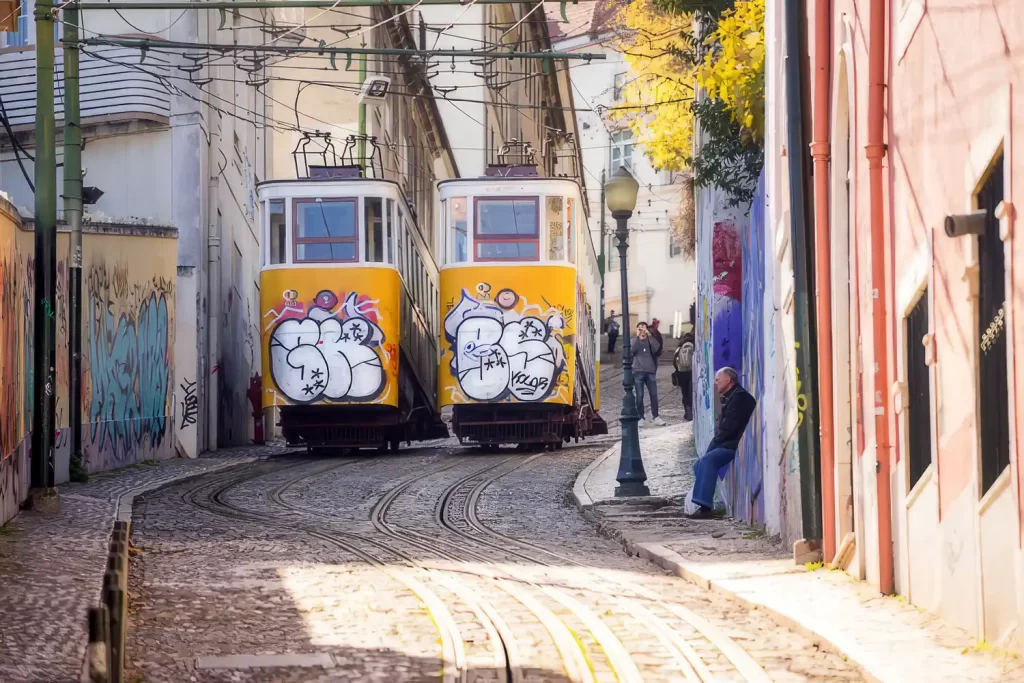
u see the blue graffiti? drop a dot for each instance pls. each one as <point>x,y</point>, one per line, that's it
<point>130,376</point>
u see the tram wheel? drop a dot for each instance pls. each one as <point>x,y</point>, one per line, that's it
<point>394,445</point>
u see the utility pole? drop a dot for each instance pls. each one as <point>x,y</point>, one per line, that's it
<point>73,202</point>
<point>44,318</point>
<point>601,266</point>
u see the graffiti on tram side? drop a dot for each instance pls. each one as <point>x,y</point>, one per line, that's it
<point>330,345</point>
<point>503,347</point>
<point>333,352</point>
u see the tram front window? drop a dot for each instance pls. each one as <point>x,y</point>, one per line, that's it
<point>507,229</point>
<point>325,230</point>
<point>374,230</point>
<point>556,229</point>
<point>460,247</point>
<point>277,232</point>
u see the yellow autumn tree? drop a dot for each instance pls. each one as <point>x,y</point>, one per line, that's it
<point>655,101</point>
<point>733,68</point>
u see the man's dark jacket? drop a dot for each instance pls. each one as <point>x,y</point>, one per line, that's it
<point>737,407</point>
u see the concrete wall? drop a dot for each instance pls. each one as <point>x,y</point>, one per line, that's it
<point>953,106</point>
<point>128,411</point>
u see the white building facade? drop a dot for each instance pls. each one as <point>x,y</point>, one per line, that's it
<point>661,280</point>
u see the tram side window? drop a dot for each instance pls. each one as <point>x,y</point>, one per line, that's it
<point>570,232</point>
<point>389,215</point>
<point>325,230</point>
<point>278,243</point>
<point>556,229</point>
<point>507,229</point>
<point>374,216</point>
<point>401,248</point>
<point>460,238</point>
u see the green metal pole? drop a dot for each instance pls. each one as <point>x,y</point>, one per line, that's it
<point>271,4</point>
<point>149,44</point>
<point>45,318</point>
<point>632,475</point>
<point>73,216</point>
<point>601,266</point>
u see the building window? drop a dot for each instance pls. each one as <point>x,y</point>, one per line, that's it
<point>507,229</point>
<point>994,418</point>
<point>919,403</point>
<point>674,249</point>
<point>325,231</point>
<point>618,86</point>
<point>26,32</point>
<point>613,258</point>
<point>622,150</point>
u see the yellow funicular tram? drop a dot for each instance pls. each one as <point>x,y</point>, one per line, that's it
<point>520,290</point>
<point>349,302</point>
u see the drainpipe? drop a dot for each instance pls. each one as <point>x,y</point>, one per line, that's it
<point>213,321</point>
<point>807,429</point>
<point>822,268</point>
<point>876,152</point>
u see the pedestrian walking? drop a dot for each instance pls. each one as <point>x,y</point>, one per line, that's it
<point>645,364</point>
<point>612,327</point>
<point>737,407</point>
<point>682,361</point>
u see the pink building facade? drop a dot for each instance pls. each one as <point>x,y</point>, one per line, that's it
<point>922,185</point>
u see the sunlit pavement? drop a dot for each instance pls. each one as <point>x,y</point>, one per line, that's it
<point>430,564</point>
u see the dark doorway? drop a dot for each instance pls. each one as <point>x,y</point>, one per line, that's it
<point>994,420</point>
<point>919,423</point>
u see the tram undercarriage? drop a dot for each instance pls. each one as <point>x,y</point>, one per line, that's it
<point>512,423</point>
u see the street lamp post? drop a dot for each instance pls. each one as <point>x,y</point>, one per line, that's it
<point>620,193</point>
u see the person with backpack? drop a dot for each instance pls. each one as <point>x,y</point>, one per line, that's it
<point>612,326</point>
<point>682,361</point>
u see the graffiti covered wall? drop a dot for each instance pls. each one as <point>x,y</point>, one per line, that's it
<point>128,279</point>
<point>14,416</point>
<point>743,486</point>
<point>508,334</point>
<point>325,342</point>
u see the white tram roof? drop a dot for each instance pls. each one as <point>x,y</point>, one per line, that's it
<point>317,187</point>
<point>511,185</point>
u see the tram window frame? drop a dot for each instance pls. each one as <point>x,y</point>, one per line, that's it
<point>401,248</point>
<point>456,232</point>
<point>389,216</point>
<point>281,253</point>
<point>297,240</point>
<point>554,217</point>
<point>570,230</point>
<point>504,238</point>
<point>377,242</point>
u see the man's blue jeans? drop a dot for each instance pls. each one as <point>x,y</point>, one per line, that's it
<point>641,380</point>
<point>706,469</point>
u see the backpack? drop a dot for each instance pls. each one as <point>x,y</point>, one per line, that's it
<point>684,357</point>
<point>613,326</point>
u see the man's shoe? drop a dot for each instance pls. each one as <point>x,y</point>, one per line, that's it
<point>701,513</point>
<point>658,422</point>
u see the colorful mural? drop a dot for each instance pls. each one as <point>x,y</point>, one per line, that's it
<point>517,345</point>
<point>130,360</point>
<point>743,487</point>
<point>127,337</point>
<point>330,345</point>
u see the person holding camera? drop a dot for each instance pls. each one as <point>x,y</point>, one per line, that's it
<point>646,349</point>
<point>683,376</point>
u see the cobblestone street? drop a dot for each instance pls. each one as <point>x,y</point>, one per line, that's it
<point>430,563</point>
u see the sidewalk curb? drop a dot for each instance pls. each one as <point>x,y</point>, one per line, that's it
<point>658,554</point>
<point>579,491</point>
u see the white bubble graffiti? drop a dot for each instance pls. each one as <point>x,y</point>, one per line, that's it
<point>498,353</point>
<point>324,356</point>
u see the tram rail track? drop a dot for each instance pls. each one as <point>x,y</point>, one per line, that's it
<point>458,513</point>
